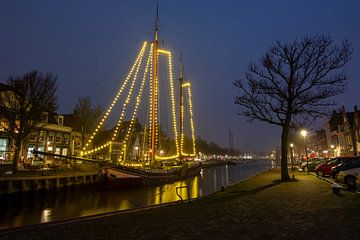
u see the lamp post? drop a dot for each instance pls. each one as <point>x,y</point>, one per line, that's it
<point>292,156</point>
<point>136,152</point>
<point>304,133</point>
<point>332,149</point>
<point>326,153</point>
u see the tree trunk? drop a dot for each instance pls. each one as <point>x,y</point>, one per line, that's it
<point>82,137</point>
<point>284,153</point>
<point>17,153</point>
<point>354,142</point>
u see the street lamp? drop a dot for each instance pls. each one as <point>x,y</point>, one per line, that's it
<point>332,149</point>
<point>304,133</point>
<point>292,156</point>
<point>137,152</point>
<point>326,153</point>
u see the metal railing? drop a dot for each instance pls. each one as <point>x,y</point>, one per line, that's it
<point>187,190</point>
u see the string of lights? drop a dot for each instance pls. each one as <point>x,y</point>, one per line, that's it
<point>132,75</point>
<point>172,96</point>
<point>127,101</point>
<point>191,120</point>
<point>135,67</point>
<point>137,103</point>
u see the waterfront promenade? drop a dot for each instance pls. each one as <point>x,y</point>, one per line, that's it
<point>258,208</point>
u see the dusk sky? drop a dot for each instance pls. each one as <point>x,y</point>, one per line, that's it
<point>90,46</point>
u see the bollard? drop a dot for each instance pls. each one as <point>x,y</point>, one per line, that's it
<point>336,188</point>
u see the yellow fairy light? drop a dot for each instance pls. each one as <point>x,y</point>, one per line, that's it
<point>127,99</point>
<point>164,51</point>
<point>173,103</point>
<point>138,58</point>
<point>150,103</point>
<point>192,120</point>
<point>156,111</point>
<point>191,117</point>
<point>167,158</point>
<point>138,100</point>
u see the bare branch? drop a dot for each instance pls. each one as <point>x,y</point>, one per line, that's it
<point>293,82</point>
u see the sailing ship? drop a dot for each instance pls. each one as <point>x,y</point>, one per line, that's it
<point>151,165</point>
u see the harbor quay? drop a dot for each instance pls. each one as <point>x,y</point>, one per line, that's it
<point>30,181</point>
<point>20,183</point>
<point>261,207</point>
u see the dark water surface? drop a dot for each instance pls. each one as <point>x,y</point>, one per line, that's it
<point>36,208</point>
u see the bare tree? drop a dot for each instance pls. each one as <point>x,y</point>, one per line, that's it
<point>292,82</point>
<point>86,116</point>
<point>22,106</point>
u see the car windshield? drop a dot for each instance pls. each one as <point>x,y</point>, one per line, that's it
<point>348,161</point>
<point>333,161</point>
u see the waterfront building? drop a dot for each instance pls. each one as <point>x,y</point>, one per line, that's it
<point>342,132</point>
<point>51,136</point>
<point>6,146</point>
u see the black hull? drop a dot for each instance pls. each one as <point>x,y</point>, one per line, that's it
<point>119,178</point>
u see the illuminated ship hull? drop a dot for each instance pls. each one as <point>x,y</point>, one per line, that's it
<point>119,177</point>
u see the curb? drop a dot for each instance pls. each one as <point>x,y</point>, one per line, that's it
<point>88,218</point>
<point>332,182</point>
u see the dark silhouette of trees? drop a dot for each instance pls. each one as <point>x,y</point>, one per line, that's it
<point>293,82</point>
<point>22,107</point>
<point>86,116</point>
<point>209,148</point>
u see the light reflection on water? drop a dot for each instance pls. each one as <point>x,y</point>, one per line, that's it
<point>45,207</point>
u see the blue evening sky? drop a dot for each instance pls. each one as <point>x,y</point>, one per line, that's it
<point>90,45</point>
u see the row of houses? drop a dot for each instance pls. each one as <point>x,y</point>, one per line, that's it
<point>61,135</point>
<point>340,135</point>
<point>51,135</point>
<point>55,133</point>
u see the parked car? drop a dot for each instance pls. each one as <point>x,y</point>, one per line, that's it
<point>352,162</point>
<point>349,177</point>
<point>312,163</point>
<point>325,168</point>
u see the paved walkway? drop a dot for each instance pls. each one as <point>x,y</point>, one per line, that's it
<point>259,208</point>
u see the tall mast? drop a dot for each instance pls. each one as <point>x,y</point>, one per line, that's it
<point>181,115</point>
<point>154,97</point>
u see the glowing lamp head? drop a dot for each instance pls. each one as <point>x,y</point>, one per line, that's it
<point>303,133</point>
<point>291,145</point>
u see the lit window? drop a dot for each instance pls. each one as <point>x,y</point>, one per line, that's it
<point>57,151</point>
<point>66,138</point>
<point>45,117</point>
<point>51,137</point>
<point>42,136</point>
<point>32,136</point>
<point>58,138</point>
<point>2,126</point>
<point>3,144</point>
<point>64,151</point>
<point>61,120</point>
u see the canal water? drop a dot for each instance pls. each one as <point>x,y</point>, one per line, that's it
<point>46,207</point>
